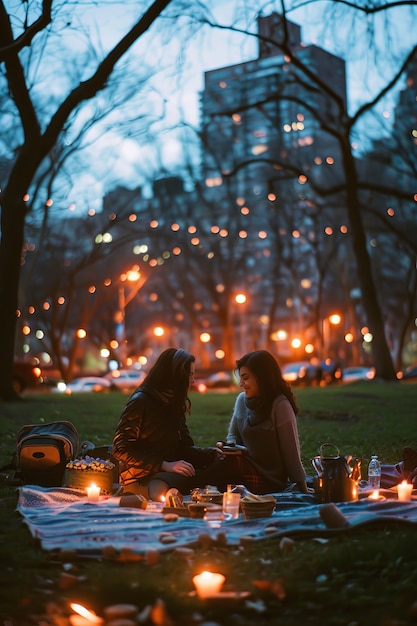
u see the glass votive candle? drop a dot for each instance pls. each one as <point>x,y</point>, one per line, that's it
<point>231,504</point>
<point>93,493</point>
<point>404,491</point>
<point>208,584</point>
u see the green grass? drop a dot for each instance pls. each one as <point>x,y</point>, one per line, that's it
<point>362,577</point>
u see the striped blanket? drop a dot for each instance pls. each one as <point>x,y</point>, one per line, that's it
<point>63,520</point>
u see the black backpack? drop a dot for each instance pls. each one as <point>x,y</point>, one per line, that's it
<point>42,452</point>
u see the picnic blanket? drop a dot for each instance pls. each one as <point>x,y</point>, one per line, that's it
<point>63,519</point>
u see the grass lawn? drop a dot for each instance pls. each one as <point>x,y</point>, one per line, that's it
<point>363,577</point>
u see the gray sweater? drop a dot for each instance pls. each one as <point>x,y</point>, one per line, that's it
<point>273,444</point>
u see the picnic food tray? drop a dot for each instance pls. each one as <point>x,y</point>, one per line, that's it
<point>81,473</point>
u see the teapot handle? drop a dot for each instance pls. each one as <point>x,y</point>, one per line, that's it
<point>333,447</point>
<point>317,465</point>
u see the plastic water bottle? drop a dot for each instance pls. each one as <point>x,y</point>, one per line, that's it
<point>374,472</point>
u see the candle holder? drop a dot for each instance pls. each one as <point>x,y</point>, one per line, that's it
<point>208,584</point>
<point>404,491</point>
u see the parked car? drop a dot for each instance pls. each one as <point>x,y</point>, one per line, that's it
<point>84,384</point>
<point>331,372</point>
<point>301,373</point>
<point>221,381</point>
<point>125,380</point>
<point>351,374</point>
<point>25,375</point>
<point>409,373</point>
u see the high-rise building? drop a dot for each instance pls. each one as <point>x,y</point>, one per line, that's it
<point>263,115</point>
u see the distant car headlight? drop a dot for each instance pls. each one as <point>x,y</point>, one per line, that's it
<point>289,377</point>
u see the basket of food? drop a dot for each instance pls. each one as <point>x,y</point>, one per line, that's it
<point>81,473</point>
<point>254,506</point>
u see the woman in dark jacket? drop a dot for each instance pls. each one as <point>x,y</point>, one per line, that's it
<point>152,442</point>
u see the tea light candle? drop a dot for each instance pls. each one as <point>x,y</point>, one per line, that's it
<point>83,616</point>
<point>375,496</point>
<point>93,493</point>
<point>208,584</point>
<point>79,620</point>
<point>404,491</point>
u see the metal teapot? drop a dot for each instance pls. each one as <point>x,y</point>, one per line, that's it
<point>337,476</point>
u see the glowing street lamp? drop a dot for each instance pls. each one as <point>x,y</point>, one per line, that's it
<point>240,299</point>
<point>205,339</point>
<point>132,276</point>
<point>331,320</point>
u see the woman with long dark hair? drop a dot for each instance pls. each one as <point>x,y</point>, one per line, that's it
<point>264,422</point>
<point>152,442</point>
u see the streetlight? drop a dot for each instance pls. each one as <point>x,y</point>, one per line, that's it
<point>205,339</point>
<point>240,299</point>
<point>132,276</point>
<point>331,320</point>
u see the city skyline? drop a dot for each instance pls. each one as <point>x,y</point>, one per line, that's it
<point>136,162</point>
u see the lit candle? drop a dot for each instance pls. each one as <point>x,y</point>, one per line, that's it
<point>79,620</point>
<point>83,616</point>
<point>404,491</point>
<point>93,493</point>
<point>208,584</point>
<point>374,495</point>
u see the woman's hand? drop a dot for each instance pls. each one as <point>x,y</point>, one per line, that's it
<point>178,467</point>
<point>219,450</point>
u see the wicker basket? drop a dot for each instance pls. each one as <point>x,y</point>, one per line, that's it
<point>252,509</point>
<point>81,479</point>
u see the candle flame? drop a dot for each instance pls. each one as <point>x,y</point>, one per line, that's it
<point>374,495</point>
<point>208,584</point>
<point>162,498</point>
<point>89,615</point>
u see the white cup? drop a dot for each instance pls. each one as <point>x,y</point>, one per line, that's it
<point>231,504</point>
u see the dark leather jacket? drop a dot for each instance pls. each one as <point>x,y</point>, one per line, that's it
<point>150,432</point>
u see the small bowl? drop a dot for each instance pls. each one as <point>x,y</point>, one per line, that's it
<point>256,511</point>
<point>252,509</point>
<point>199,509</point>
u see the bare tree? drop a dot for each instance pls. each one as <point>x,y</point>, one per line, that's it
<point>38,139</point>
<point>302,86</point>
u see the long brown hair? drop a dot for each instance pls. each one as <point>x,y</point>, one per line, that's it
<point>171,374</point>
<point>264,366</point>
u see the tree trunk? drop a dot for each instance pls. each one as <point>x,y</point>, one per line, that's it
<point>29,158</point>
<point>381,354</point>
<point>12,228</point>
